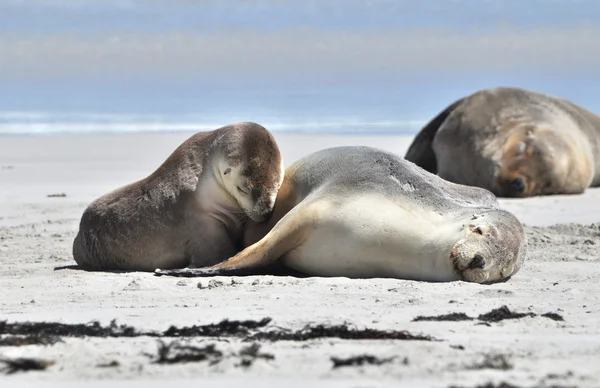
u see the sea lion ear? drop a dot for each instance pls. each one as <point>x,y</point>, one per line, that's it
<point>227,171</point>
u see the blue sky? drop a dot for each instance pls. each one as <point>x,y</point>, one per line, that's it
<point>317,60</point>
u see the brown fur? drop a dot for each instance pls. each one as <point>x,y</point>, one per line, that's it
<point>513,142</point>
<point>287,198</point>
<point>162,220</point>
<point>542,169</point>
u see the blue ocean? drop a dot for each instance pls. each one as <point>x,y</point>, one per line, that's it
<point>328,66</point>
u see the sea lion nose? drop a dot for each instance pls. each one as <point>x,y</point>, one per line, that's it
<point>477,262</point>
<point>517,185</point>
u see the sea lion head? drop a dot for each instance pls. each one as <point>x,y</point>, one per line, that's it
<point>539,161</point>
<point>254,170</point>
<point>492,249</point>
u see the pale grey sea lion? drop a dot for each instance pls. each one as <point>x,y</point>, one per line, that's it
<point>362,212</point>
<point>513,142</point>
<point>191,210</point>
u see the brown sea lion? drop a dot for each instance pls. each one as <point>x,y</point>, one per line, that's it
<point>191,210</point>
<point>513,142</point>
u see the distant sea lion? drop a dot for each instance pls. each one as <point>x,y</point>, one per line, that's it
<point>513,142</point>
<point>190,211</point>
<point>362,212</point>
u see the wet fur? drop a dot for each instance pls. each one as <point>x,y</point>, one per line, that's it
<point>478,141</point>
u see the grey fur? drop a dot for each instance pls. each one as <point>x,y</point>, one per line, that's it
<point>351,171</point>
<point>466,143</point>
<point>337,175</point>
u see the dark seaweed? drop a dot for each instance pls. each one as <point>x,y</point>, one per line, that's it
<point>495,315</point>
<point>251,353</point>
<point>494,361</point>
<point>225,327</point>
<point>93,329</point>
<point>174,353</point>
<point>502,313</point>
<point>446,317</point>
<point>360,360</point>
<point>336,331</point>
<point>22,340</point>
<point>15,365</point>
<point>553,316</point>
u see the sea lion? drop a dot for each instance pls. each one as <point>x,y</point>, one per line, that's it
<point>362,212</point>
<point>191,210</point>
<point>513,142</point>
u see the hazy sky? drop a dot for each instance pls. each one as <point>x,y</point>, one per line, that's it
<point>377,58</point>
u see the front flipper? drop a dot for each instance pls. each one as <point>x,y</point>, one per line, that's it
<point>286,235</point>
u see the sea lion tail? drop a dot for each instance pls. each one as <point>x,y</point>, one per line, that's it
<point>420,151</point>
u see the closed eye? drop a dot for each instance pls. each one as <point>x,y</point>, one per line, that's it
<point>242,191</point>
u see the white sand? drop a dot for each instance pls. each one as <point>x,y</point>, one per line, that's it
<point>561,275</point>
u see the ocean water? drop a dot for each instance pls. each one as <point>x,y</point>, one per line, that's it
<point>327,66</point>
<point>56,123</point>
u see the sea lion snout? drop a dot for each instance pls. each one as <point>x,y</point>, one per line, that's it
<point>263,206</point>
<point>513,186</point>
<point>517,185</point>
<point>477,262</point>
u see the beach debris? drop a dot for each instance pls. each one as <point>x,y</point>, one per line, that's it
<point>502,313</point>
<point>93,329</point>
<point>491,385</point>
<point>22,340</point>
<point>133,286</point>
<point>111,364</point>
<point>14,365</point>
<point>175,352</point>
<point>445,317</point>
<point>246,329</point>
<point>495,315</point>
<point>57,195</point>
<point>211,284</point>
<point>504,384</point>
<point>336,331</point>
<point>251,353</point>
<point>362,360</point>
<point>494,361</point>
<point>223,328</point>
<point>553,316</point>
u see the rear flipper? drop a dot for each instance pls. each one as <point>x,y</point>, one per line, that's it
<point>286,235</point>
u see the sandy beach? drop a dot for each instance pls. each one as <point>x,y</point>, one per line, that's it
<point>46,183</point>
